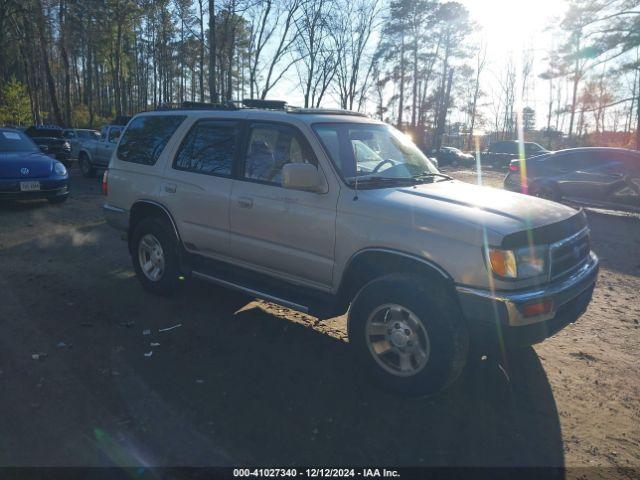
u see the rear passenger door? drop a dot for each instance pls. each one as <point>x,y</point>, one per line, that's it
<point>284,232</point>
<point>198,184</point>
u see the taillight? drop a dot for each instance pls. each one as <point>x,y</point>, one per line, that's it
<point>105,183</point>
<point>514,166</point>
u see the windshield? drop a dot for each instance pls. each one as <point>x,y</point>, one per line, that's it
<point>362,151</point>
<point>14,141</point>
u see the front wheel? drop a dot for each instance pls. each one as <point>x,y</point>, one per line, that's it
<point>155,256</point>
<point>408,332</point>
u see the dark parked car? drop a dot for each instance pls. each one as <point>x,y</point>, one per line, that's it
<point>50,140</point>
<point>452,156</point>
<point>500,154</point>
<point>598,177</point>
<point>26,173</point>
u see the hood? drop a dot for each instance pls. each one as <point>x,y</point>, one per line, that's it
<point>472,211</point>
<point>37,164</point>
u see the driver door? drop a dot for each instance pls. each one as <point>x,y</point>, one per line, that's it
<point>283,232</point>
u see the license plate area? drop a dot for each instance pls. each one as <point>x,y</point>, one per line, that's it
<point>29,186</point>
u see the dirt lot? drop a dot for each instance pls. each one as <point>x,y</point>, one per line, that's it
<point>248,382</point>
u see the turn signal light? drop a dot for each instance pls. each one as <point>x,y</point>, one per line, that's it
<point>537,308</point>
<point>514,166</point>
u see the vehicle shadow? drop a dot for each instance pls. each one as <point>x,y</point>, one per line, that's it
<point>277,392</point>
<point>231,383</point>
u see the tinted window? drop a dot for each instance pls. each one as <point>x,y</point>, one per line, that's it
<point>44,132</point>
<point>209,148</point>
<point>145,138</point>
<point>103,133</point>
<point>504,147</point>
<point>270,147</point>
<point>114,135</point>
<point>532,148</point>
<point>580,160</point>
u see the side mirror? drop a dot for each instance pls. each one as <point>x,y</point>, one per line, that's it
<point>301,176</point>
<point>43,148</point>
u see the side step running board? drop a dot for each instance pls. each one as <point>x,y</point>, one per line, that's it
<point>252,292</point>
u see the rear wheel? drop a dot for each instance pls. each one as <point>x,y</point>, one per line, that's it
<point>155,256</point>
<point>87,170</point>
<point>408,332</point>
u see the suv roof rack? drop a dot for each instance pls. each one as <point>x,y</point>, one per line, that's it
<point>253,103</point>
<point>265,104</point>
<point>197,106</point>
<point>326,111</point>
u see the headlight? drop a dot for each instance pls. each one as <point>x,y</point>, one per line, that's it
<point>525,262</point>
<point>59,169</point>
<point>66,145</point>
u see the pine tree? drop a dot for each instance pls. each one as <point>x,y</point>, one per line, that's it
<point>15,108</point>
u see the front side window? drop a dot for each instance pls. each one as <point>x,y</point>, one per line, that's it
<point>146,137</point>
<point>209,148</point>
<point>371,151</point>
<point>103,133</point>
<point>269,148</point>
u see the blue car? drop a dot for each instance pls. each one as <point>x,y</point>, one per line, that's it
<point>26,173</point>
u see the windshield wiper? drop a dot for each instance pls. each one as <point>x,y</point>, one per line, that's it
<point>430,175</point>
<point>374,180</point>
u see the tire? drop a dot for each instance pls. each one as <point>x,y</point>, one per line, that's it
<point>149,235</point>
<point>87,170</point>
<point>427,317</point>
<point>58,200</point>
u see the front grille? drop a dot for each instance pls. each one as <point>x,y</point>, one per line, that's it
<point>567,255</point>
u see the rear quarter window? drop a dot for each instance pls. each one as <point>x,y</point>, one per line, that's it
<point>145,138</point>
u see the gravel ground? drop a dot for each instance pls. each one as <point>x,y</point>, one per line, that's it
<point>87,378</point>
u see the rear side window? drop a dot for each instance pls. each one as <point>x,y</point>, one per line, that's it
<point>145,138</point>
<point>209,148</point>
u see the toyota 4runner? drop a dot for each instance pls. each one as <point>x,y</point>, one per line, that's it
<point>330,211</point>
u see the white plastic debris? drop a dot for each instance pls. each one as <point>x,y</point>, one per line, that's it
<point>154,344</point>
<point>170,328</point>
<point>148,354</point>
<point>146,332</point>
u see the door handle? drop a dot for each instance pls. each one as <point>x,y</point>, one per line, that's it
<point>245,202</point>
<point>170,187</point>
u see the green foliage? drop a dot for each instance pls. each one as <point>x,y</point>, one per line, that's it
<point>15,108</point>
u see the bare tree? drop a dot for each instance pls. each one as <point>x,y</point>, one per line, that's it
<point>315,46</point>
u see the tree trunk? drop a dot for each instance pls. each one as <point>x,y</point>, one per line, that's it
<point>213,92</point>
<point>55,107</point>
<point>402,75</point>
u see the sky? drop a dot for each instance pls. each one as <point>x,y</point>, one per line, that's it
<point>507,27</point>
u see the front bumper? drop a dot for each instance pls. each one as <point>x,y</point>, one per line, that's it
<point>498,315</point>
<point>49,188</point>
